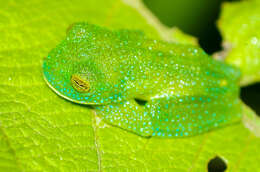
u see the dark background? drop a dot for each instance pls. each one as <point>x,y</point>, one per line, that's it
<point>198,18</point>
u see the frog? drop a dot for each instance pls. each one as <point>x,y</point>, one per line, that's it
<point>142,85</point>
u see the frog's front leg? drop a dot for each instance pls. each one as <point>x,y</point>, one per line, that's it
<point>128,115</point>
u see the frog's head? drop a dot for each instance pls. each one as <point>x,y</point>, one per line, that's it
<point>78,68</point>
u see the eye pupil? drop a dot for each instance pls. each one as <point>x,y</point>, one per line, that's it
<point>79,83</point>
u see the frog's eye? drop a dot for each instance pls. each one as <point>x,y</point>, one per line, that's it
<point>79,83</point>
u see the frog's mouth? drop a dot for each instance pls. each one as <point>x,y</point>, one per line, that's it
<point>74,100</point>
<point>88,98</point>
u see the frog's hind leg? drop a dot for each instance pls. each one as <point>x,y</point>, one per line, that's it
<point>128,115</point>
<point>192,115</point>
<point>174,116</point>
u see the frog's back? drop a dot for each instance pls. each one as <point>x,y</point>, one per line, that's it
<point>158,67</point>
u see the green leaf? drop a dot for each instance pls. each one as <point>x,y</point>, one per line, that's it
<point>240,27</point>
<point>39,131</point>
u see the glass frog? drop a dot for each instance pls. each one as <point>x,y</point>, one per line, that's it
<point>146,86</point>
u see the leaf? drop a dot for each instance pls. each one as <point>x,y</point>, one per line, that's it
<point>240,27</point>
<point>167,34</point>
<point>39,131</point>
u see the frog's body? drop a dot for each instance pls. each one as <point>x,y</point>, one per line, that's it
<point>186,92</point>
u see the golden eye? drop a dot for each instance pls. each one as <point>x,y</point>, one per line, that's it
<point>79,84</point>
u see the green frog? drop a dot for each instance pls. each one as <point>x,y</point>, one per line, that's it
<point>145,86</point>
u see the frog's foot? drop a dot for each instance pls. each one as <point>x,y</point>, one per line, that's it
<point>128,115</point>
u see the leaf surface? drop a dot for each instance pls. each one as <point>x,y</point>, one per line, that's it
<point>239,24</point>
<point>39,131</point>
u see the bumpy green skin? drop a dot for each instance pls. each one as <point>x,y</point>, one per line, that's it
<point>187,92</point>
<point>240,26</point>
